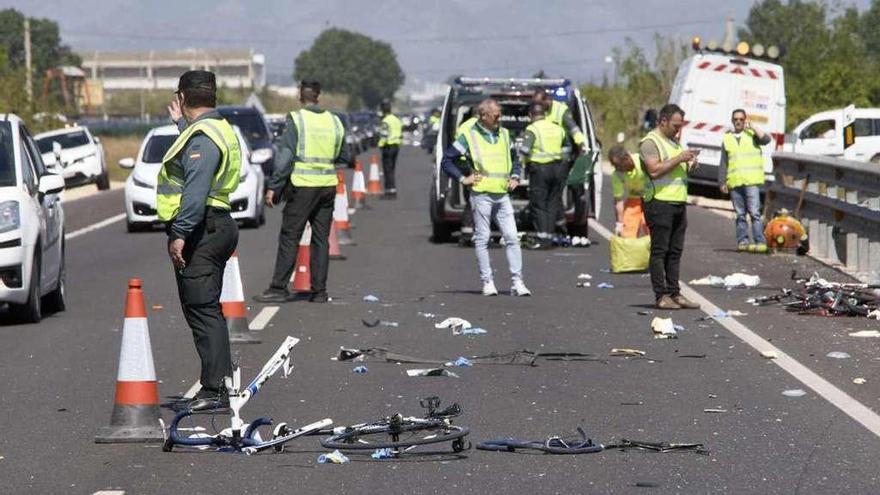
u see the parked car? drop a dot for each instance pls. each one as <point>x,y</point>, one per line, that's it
<point>447,198</point>
<point>31,226</point>
<point>822,134</point>
<point>256,131</point>
<point>140,187</point>
<point>277,124</point>
<point>81,156</point>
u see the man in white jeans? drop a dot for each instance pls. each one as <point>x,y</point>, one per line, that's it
<point>495,171</point>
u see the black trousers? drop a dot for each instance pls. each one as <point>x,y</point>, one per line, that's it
<point>668,223</point>
<point>199,285</point>
<point>546,184</point>
<point>306,204</point>
<point>389,164</point>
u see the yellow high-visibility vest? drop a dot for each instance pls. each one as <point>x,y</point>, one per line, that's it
<point>548,144</point>
<point>319,140</point>
<point>672,187</point>
<point>491,160</point>
<point>395,131</point>
<point>745,163</point>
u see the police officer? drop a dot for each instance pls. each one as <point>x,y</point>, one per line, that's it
<point>666,165</point>
<point>742,174</point>
<point>309,150</point>
<point>198,173</point>
<point>432,130</point>
<point>544,153</point>
<point>390,137</point>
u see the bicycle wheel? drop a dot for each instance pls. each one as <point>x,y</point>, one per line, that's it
<point>398,435</point>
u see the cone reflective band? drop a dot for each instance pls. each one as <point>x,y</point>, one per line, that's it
<point>301,280</point>
<point>341,189</point>
<point>373,185</point>
<point>335,250</point>
<point>358,186</point>
<point>232,301</point>
<point>135,417</point>
<point>340,216</point>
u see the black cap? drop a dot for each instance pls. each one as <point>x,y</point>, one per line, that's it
<point>197,79</point>
<point>311,85</point>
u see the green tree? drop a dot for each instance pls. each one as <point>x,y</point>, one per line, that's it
<point>46,47</point>
<point>353,64</point>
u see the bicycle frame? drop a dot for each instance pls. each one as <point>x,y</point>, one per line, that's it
<point>242,436</point>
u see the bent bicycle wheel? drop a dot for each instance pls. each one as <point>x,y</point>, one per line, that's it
<point>382,436</point>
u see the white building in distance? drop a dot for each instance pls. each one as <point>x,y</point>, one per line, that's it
<point>156,69</point>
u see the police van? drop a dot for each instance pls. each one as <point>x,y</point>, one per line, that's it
<point>713,82</point>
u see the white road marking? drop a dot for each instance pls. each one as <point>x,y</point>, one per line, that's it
<point>263,317</point>
<point>193,390</point>
<point>95,226</point>
<point>837,397</point>
<point>109,492</point>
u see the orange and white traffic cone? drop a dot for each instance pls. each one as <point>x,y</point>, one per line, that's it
<point>340,217</point>
<point>358,186</point>
<point>340,176</point>
<point>232,301</point>
<point>301,281</point>
<point>135,417</point>
<point>335,251</point>
<point>374,187</point>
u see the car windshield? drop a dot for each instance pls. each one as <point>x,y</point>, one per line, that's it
<point>156,148</point>
<point>7,157</point>
<point>67,140</point>
<point>252,127</point>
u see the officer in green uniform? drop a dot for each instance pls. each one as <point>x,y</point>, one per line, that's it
<point>666,164</point>
<point>544,152</point>
<point>198,173</point>
<point>390,139</point>
<point>309,151</point>
<point>741,174</point>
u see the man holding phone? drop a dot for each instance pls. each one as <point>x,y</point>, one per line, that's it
<point>666,164</point>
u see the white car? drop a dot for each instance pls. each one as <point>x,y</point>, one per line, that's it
<point>822,134</point>
<point>31,226</point>
<point>81,154</point>
<point>140,187</point>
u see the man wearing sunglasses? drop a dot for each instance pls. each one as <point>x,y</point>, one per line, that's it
<point>741,174</point>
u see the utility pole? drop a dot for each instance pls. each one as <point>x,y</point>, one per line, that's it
<point>728,33</point>
<point>27,61</point>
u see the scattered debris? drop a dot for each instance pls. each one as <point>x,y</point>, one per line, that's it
<point>645,312</point>
<point>693,356</point>
<point>770,354</point>
<point>360,370</point>
<point>454,322</point>
<point>638,403</point>
<point>859,381</point>
<point>469,331</point>
<point>371,298</point>
<point>874,315</point>
<point>663,328</point>
<point>865,333</point>
<point>335,457</point>
<point>427,315</point>
<point>158,306</point>
<point>626,352</point>
<point>585,276</point>
<point>823,298</point>
<point>720,315</point>
<point>377,322</point>
<point>715,411</point>
<point>380,354</point>
<point>431,372</point>
<point>461,362</point>
<point>794,392</point>
<point>382,454</point>
<point>604,285</point>
<point>838,355</point>
<point>732,280</point>
<point>583,284</point>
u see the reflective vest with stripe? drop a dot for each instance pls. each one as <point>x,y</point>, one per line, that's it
<point>169,188</point>
<point>491,160</point>
<point>547,146</point>
<point>628,185</point>
<point>395,131</point>
<point>557,115</point>
<point>745,163</point>
<point>672,187</point>
<point>319,140</point>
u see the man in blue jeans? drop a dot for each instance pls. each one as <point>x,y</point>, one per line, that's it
<point>496,171</point>
<point>742,174</point>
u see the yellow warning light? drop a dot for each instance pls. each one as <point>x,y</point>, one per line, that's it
<point>695,43</point>
<point>742,48</point>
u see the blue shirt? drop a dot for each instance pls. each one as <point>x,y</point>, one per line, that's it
<point>459,148</point>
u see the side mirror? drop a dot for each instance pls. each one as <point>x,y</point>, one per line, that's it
<point>261,156</point>
<point>97,140</point>
<point>51,184</point>
<point>126,163</point>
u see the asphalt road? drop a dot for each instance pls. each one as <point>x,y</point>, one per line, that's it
<point>59,375</point>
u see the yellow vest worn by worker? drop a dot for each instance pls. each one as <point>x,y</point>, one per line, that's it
<point>169,188</point>
<point>434,122</point>
<point>395,131</point>
<point>745,163</point>
<point>491,160</point>
<point>556,115</point>
<point>319,139</point>
<point>547,146</point>
<point>629,185</point>
<point>672,187</point>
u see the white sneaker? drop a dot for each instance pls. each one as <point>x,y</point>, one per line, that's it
<point>489,289</point>
<point>519,289</point>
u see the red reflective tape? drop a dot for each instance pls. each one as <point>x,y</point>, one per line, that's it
<point>704,65</point>
<point>234,309</point>
<point>756,72</point>
<point>737,70</point>
<point>771,74</point>
<point>716,128</point>
<point>137,393</point>
<point>720,67</point>
<point>700,125</point>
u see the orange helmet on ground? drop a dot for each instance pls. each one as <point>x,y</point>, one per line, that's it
<point>784,232</point>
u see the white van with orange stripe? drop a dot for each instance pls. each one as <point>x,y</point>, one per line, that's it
<point>709,86</point>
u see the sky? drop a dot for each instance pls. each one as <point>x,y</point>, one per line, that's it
<point>432,39</point>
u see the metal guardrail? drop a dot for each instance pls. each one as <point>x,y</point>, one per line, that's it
<point>839,206</point>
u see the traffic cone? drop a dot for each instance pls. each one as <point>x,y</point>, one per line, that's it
<point>301,281</point>
<point>135,417</point>
<point>358,186</point>
<point>232,301</point>
<point>335,251</point>
<point>340,217</point>
<point>340,177</point>
<point>374,187</point>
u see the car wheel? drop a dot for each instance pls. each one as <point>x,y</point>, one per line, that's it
<point>56,301</point>
<point>876,158</point>
<point>134,227</point>
<point>103,181</point>
<point>31,311</point>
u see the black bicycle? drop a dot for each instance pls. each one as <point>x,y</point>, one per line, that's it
<point>401,433</point>
<point>580,444</point>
